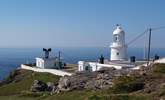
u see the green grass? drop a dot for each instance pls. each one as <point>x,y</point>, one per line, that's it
<point>121,97</point>
<point>20,90</point>
<point>126,84</point>
<point>80,95</point>
<point>159,68</point>
<point>25,84</point>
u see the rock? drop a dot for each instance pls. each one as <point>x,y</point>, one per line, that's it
<point>38,86</point>
<point>102,81</point>
<point>64,84</point>
<point>87,80</point>
<point>50,86</point>
<point>162,85</point>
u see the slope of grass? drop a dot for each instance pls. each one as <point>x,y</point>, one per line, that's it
<point>25,83</point>
<point>126,84</point>
<point>81,95</point>
<point>159,68</point>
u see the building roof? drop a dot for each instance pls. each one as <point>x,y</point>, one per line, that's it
<point>42,58</point>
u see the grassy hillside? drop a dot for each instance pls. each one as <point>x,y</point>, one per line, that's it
<point>148,86</point>
<point>22,80</point>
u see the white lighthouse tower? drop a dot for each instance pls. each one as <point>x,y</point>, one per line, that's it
<point>118,46</point>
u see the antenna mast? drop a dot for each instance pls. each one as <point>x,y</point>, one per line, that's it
<point>59,55</point>
<point>59,60</point>
<point>145,48</point>
<point>149,46</point>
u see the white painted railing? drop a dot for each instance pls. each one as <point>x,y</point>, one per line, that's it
<point>52,71</point>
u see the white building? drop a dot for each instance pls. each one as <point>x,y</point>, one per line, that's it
<point>94,66</point>
<point>118,46</point>
<point>118,53</point>
<point>49,62</point>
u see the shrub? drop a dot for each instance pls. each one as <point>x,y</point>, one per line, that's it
<point>11,76</point>
<point>159,68</point>
<point>125,84</point>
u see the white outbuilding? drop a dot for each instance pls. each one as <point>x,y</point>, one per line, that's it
<point>49,62</point>
<point>118,46</point>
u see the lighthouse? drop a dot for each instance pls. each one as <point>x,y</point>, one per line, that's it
<point>118,46</point>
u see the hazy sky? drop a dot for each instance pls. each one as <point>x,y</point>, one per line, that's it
<point>76,23</point>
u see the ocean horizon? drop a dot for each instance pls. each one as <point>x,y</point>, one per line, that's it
<point>12,58</point>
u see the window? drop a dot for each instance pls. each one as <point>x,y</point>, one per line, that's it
<point>117,53</point>
<point>88,68</point>
<point>115,38</point>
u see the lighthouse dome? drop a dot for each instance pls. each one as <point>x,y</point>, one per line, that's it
<point>118,30</point>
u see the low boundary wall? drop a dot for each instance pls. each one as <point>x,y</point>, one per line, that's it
<point>52,71</point>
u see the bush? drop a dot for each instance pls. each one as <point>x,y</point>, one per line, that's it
<point>11,76</point>
<point>159,68</point>
<point>126,84</point>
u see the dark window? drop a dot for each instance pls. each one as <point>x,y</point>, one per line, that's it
<point>117,53</point>
<point>116,38</point>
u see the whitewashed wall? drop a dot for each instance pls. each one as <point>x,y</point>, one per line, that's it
<point>45,63</point>
<point>162,60</point>
<point>52,71</point>
<point>40,62</point>
<point>95,66</point>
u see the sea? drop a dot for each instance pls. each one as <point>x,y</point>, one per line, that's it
<point>12,58</point>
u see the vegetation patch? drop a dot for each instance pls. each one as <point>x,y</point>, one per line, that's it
<point>126,84</point>
<point>159,68</point>
<point>26,79</point>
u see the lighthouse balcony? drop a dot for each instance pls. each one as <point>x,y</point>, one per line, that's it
<point>117,45</point>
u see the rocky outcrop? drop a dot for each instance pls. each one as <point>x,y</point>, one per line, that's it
<point>39,86</point>
<point>51,87</point>
<point>89,80</point>
<point>82,80</point>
